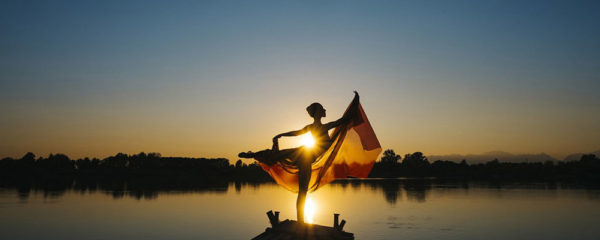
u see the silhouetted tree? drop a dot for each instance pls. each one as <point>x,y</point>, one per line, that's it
<point>415,160</point>
<point>28,159</point>
<point>415,164</point>
<point>390,157</point>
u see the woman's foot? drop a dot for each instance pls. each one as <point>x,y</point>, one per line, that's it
<point>248,154</point>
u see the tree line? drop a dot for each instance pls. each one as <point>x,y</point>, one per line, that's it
<point>391,165</point>
<point>136,165</point>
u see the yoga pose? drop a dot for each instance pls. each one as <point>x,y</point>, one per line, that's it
<point>302,157</point>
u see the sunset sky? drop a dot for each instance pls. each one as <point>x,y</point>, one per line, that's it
<point>214,78</point>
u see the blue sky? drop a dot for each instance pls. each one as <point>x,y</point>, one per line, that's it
<point>213,78</point>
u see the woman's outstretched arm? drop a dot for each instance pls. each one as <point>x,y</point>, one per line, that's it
<point>291,133</point>
<point>287,134</point>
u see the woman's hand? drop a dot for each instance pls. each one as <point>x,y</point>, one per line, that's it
<point>354,107</point>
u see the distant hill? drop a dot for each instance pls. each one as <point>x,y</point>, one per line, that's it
<point>489,156</point>
<point>577,156</point>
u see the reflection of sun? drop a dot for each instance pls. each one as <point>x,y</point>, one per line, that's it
<point>307,139</point>
<point>309,210</point>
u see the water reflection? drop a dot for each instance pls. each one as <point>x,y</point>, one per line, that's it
<point>417,190</point>
<point>139,188</point>
<point>393,190</point>
<point>374,209</point>
<point>310,208</point>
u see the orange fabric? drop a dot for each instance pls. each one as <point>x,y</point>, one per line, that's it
<point>354,150</point>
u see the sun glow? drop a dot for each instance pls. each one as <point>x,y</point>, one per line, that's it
<point>309,210</point>
<point>307,139</point>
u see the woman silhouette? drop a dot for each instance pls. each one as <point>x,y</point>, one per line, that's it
<point>302,157</point>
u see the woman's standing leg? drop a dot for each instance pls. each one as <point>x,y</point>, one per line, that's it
<point>304,172</point>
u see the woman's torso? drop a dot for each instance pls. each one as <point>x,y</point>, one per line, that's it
<point>321,135</point>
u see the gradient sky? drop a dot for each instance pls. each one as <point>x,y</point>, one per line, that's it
<point>213,78</point>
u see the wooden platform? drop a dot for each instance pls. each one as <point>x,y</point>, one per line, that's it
<point>289,229</point>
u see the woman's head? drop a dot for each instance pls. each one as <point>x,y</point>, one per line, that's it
<point>316,110</point>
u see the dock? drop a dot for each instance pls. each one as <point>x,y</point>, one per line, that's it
<point>290,229</point>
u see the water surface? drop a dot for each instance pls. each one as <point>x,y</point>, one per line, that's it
<point>373,209</point>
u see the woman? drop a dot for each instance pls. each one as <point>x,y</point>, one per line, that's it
<point>302,157</point>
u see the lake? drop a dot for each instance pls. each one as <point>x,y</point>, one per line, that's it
<point>373,209</point>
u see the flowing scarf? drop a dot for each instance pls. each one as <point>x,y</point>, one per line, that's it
<point>354,150</point>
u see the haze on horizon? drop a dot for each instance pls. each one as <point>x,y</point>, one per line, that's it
<point>211,79</point>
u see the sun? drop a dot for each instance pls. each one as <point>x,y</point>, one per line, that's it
<point>307,140</point>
